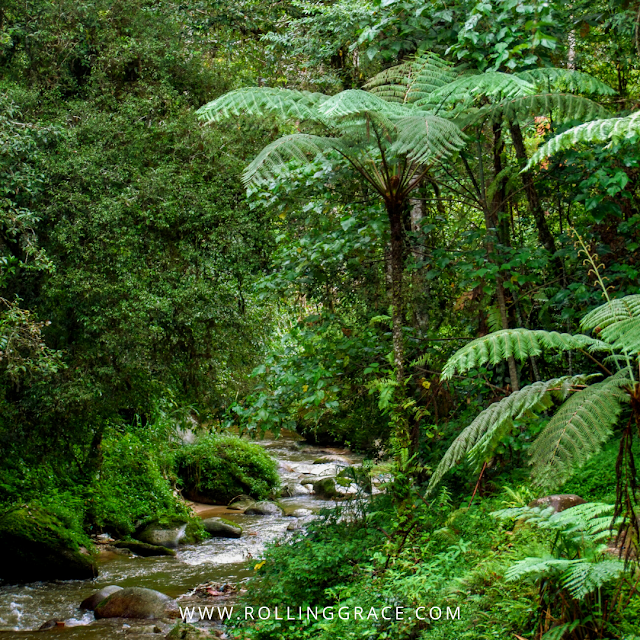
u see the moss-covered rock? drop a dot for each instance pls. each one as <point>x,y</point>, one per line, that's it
<point>136,602</point>
<point>221,528</point>
<point>42,548</point>
<point>216,469</point>
<point>325,488</point>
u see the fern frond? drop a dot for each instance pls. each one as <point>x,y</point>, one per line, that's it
<point>536,568</point>
<point>578,429</point>
<point>583,577</point>
<point>598,131</point>
<point>519,343</point>
<point>614,311</point>
<point>558,79</point>
<point>623,335</point>
<point>582,524</point>
<point>413,80</point>
<point>353,103</point>
<point>498,418</point>
<point>563,106</point>
<point>465,89</point>
<point>274,158</point>
<point>284,103</point>
<point>427,138</point>
<point>561,631</point>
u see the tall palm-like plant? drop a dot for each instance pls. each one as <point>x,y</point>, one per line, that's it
<point>392,146</point>
<point>408,120</point>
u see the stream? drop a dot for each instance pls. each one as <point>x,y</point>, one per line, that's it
<point>24,608</point>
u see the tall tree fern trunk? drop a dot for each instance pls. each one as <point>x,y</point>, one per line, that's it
<point>402,437</point>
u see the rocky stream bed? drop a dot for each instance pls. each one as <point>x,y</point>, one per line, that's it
<point>205,572</point>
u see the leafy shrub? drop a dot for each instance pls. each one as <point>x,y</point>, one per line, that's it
<point>131,489</point>
<point>220,468</point>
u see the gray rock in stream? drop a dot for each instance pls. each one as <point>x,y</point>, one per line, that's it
<point>264,509</point>
<point>144,549</point>
<point>220,528</point>
<point>161,536</point>
<point>94,600</point>
<point>294,489</point>
<point>136,602</point>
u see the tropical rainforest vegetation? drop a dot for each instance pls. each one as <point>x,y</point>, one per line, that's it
<point>411,228</point>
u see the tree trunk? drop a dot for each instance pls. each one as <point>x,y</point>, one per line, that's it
<point>494,218</point>
<point>420,285</point>
<point>544,234</point>
<point>394,210</point>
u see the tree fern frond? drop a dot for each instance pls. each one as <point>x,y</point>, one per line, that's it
<point>425,138</point>
<point>558,79</point>
<point>465,89</point>
<point>273,159</point>
<point>578,429</point>
<point>623,335</point>
<point>614,311</point>
<point>536,568</point>
<point>499,417</point>
<point>519,343</point>
<point>561,631</point>
<point>354,102</point>
<point>583,577</point>
<point>598,131</point>
<point>563,106</point>
<point>285,103</point>
<point>582,524</point>
<point>413,80</point>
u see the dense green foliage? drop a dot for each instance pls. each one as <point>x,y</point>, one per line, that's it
<point>218,469</point>
<point>437,262</point>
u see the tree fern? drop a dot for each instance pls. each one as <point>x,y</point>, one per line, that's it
<point>598,131</point>
<point>492,423</point>
<point>578,429</point>
<point>519,343</point>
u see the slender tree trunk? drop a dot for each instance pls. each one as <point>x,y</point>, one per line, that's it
<point>394,211</point>
<point>494,217</point>
<point>544,234</point>
<point>419,284</point>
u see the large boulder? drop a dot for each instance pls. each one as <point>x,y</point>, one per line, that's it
<point>163,534</point>
<point>144,549</point>
<point>220,528</point>
<point>264,509</point>
<point>558,502</point>
<point>95,599</point>
<point>136,602</point>
<point>38,546</point>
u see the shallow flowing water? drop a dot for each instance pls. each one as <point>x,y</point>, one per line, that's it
<point>24,608</point>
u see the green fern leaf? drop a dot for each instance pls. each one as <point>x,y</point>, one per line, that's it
<point>413,80</point>
<point>498,418</point>
<point>598,131</point>
<point>536,568</point>
<point>578,429</point>
<point>563,106</point>
<point>274,158</point>
<point>427,138</point>
<point>583,577</point>
<point>614,311</point>
<point>519,343</point>
<point>558,79</point>
<point>623,335</point>
<point>284,103</point>
<point>463,91</point>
